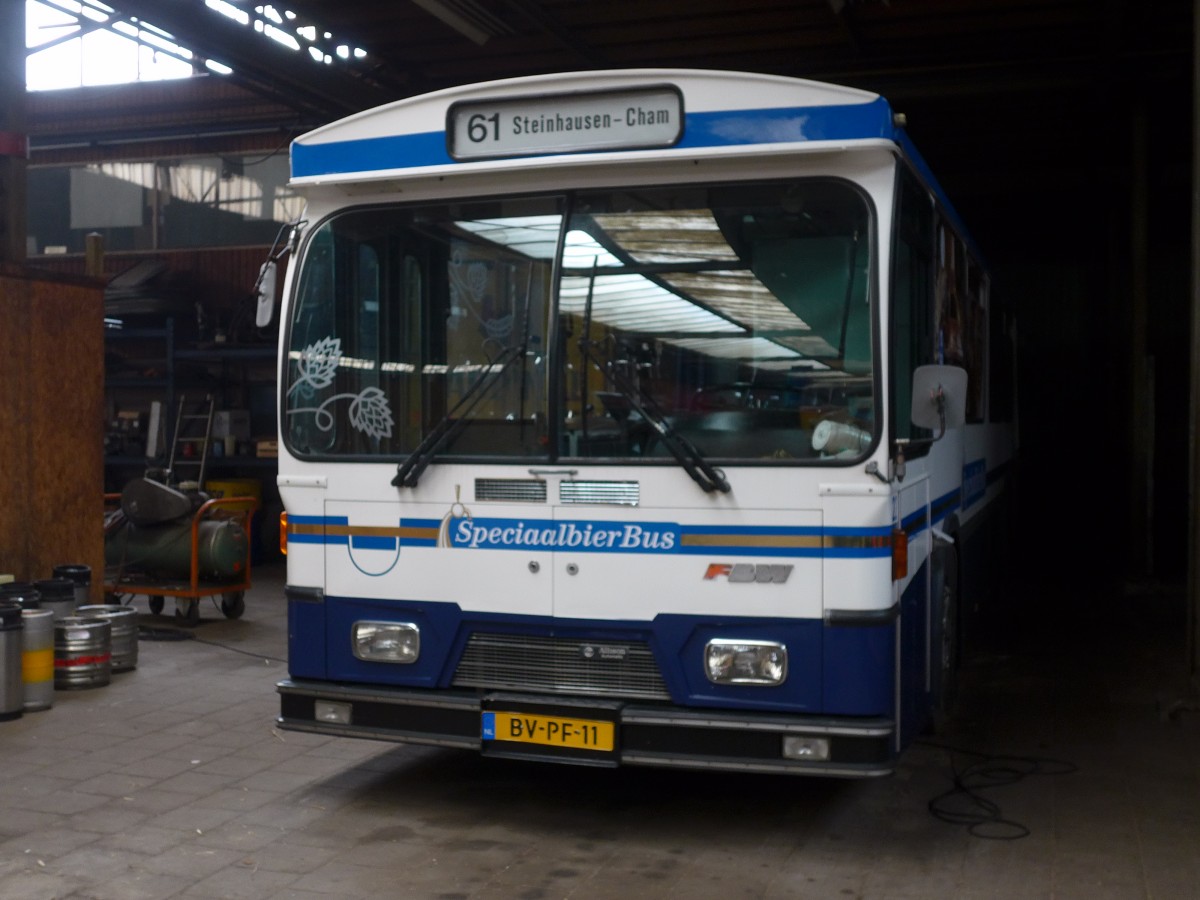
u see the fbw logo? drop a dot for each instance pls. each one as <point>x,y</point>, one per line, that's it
<point>748,573</point>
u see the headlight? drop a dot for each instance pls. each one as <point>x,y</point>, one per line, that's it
<point>745,662</point>
<point>394,642</point>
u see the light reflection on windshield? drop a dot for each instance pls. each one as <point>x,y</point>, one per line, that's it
<point>737,322</point>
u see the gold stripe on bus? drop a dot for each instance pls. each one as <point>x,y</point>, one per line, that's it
<point>391,531</point>
<point>863,541</point>
<point>751,540</point>
<point>775,541</point>
<point>417,534</point>
<point>305,528</point>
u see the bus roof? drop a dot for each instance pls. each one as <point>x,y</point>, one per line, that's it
<point>415,136</point>
<point>708,112</point>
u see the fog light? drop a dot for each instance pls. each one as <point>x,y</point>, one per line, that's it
<point>333,713</point>
<point>394,642</point>
<point>800,747</point>
<point>745,662</point>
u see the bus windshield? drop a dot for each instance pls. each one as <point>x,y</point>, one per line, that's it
<point>598,324</point>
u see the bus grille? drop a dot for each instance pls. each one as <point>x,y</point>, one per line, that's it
<point>561,666</point>
<point>512,490</point>
<point>609,493</point>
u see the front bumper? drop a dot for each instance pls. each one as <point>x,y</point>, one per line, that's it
<point>644,734</point>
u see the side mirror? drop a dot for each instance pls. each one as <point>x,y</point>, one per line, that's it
<point>264,288</point>
<point>939,398</point>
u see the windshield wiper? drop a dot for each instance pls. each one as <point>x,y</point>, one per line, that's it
<point>708,476</point>
<point>692,460</point>
<point>408,473</point>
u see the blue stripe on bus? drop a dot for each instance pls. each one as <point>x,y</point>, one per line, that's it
<point>917,521</point>
<point>730,128</point>
<point>873,544</point>
<point>742,550</point>
<point>600,536</point>
<point>316,539</point>
<point>420,523</point>
<point>726,128</point>
<point>398,151</point>
<point>370,542</point>
<point>760,530</point>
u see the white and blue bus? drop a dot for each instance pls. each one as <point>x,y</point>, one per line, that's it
<point>633,418</point>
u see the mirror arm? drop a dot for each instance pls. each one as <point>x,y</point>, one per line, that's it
<point>873,469</point>
<point>940,399</point>
<point>264,287</point>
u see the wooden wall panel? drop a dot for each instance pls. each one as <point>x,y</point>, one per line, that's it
<point>52,432</point>
<point>16,441</point>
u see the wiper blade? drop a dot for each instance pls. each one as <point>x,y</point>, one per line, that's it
<point>408,473</point>
<point>708,476</point>
<point>692,460</point>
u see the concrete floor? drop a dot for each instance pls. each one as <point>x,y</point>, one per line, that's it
<point>172,782</point>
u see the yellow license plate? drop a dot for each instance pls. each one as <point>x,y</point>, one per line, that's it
<point>549,731</point>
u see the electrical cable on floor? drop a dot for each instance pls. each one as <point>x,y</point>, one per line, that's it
<point>152,633</point>
<point>964,805</point>
<point>148,633</point>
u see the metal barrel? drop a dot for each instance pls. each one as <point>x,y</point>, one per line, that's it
<point>11,696</point>
<point>82,652</point>
<point>58,594</point>
<point>80,576</point>
<point>37,658</point>
<point>22,592</point>
<point>124,621</point>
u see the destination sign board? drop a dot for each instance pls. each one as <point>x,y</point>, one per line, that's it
<point>565,123</point>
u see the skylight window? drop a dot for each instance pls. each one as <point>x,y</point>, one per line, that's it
<point>76,43</point>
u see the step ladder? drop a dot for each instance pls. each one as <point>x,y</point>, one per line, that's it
<point>192,438</point>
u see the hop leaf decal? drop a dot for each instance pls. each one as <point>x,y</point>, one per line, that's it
<point>318,362</point>
<point>369,412</point>
<point>316,369</point>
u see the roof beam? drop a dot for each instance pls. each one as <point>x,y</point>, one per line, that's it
<point>260,63</point>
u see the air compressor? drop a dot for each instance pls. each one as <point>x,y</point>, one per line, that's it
<point>151,533</point>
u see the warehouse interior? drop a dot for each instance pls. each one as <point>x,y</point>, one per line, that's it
<point>1063,131</point>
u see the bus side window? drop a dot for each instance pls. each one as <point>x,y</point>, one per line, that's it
<point>961,316</point>
<point>912,306</point>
